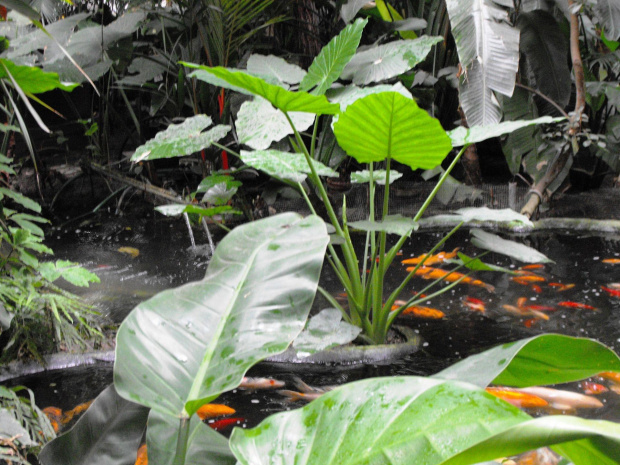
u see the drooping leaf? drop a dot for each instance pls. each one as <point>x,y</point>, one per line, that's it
<point>331,61</point>
<point>489,214</point>
<point>21,199</point>
<point>477,99</point>
<point>538,360</point>
<point>219,194</point>
<point>31,79</point>
<point>546,51</point>
<point>324,330</point>
<point>396,420</point>
<point>388,60</point>
<point>392,224</point>
<point>512,249</point>
<point>109,433</point>
<point>280,98</point>
<point>215,179</point>
<point>461,135</point>
<point>608,13</point>
<point>205,446</point>
<point>285,165</point>
<point>384,125</point>
<point>259,123</point>
<point>350,9</point>
<point>145,69</point>
<point>178,209</point>
<point>379,176</point>
<point>178,140</point>
<point>276,68</point>
<point>197,339</point>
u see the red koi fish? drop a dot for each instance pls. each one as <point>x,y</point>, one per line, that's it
<point>474,304</point>
<point>612,261</point>
<point>533,266</point>
<point>561,287</point>
<point>449,276</point>
<point>540,308</point>
<point>568,304</point>
<point>536,288</point>
<point>260,383</point>
<point>432,260</point>
<point>614,292</point>
<point>224,423</point>
<point>592,388</point>
<point>516,398</point>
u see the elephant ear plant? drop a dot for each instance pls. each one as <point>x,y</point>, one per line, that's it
<point>373,125</point>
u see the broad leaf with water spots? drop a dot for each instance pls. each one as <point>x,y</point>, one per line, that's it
<point>185,346</point>
<point>512,249</point>
<point>284,165</point>
<point>535,361</point>
<point>178,140</point>
<point>279,97</point>
<point>388,125</point>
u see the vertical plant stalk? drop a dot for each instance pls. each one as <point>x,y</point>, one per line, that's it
<point>182,440</point>
<point>575,54</point>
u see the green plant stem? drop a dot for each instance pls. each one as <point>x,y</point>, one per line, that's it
<point>182,439</point>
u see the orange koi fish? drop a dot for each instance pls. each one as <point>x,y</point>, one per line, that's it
<point>54,415</point>
<point>536,288</point>
<point>260,383</point>
<point>592,388</point>
<point>533,266</point>
<point>141,457</point>
<point>614,292</point>
<point>609,375</point>
<point>208,411</point>
<point>68,416</point>
<point>528,279</point>
<point>516,398</point>
<point>576,305</point>
<point>224,423</point>
<point>424,312</point>
<point>474,304</point>
<point>612,261</point>
<point>432,260</point>
<point>449,276</point>
<point>561,287</point>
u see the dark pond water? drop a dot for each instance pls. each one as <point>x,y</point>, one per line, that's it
<point>165,260</point>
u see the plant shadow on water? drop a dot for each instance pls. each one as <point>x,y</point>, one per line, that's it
<point>460,333</point>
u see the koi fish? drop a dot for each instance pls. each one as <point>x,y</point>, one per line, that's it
<point>132,251</point>
<point>449,276</point>
<point>540,308</point>
<point>77,410</point>
<point>516,398</point>
<point>536,288</point>
<point>614,285</point>
<point>474,304</point>
<point>54,415</point>
<point>424,312</point>
<point>614,292</point>
<point>592,388</point>
<point>612,261</point>
<point>608,375</point>
<point>293,396</point>
<point>224,423</point>
<point>528,279</point>
<point>260,383</point>
<point>524,311</point>
<point>576,305</point>
<point>141,457</point>
<point>542,456</point>
<point>208,411</point>
<point>560,399</point>
<point>432,260</point>
<point>561,287</point>
<point>306,388</point>
<point>533,266</point>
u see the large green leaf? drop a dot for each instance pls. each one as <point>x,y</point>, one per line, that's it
<point>477,99</point>
<point>285,165</point>
<point>182,139</point>
<point>204,447</point>
<point>331,61</point>
<point>31,79</point>
<point>396,420</point>
<point>389,125</point>
<point>546,52</point>
<point>542,359</point>
<point>513,249</point>
<point>185,346</point>
<point>109,433</point>
<point>461,135</point>
<point>388,60</point>
<point>259,123</point>
<point>279,97</point>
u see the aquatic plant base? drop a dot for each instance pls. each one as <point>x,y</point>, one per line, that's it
<point>380,354</point>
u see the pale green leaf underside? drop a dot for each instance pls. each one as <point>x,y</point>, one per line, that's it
<point>379,176</point>
<point>392,224</point>
<point>276,68</point>
<point>512,249</point>
<point>331,61</point>
<point>178,140</point>
<point>284,165</point>
<point>388,60</point>
<point>324,330</point>
<point>488,214</point>
<point>279,97</point>
<point>387,124</point>
<point>185,346</point>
